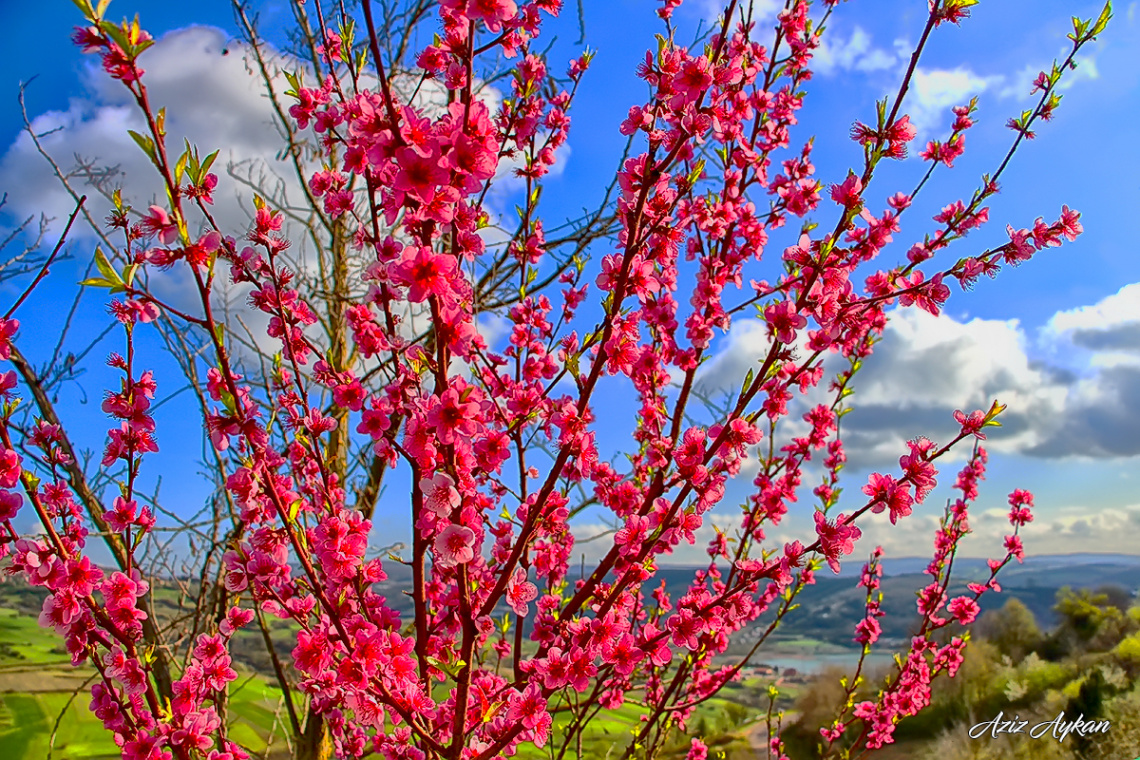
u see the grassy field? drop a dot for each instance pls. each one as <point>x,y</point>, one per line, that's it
<point>44,707</point>
<point>29,720</point>
<point>23,640</point>
<point>57,724</point>
<point>44,701</point>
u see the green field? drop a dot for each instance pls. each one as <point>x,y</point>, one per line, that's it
<point>44,701</point>
<point>44,707</point>
<point>28,721</point>
<point>42,695</point>
<point>39,725</point>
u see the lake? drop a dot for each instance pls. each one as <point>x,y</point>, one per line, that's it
<point>815,663</point>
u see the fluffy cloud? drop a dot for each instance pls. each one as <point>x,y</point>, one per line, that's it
<point>1111,328</point>
<point>926,367</point>
<point>1064,530</point>
<point>1020,85</point>
<point>212,97</point>
<point>855,53</point>
<point>746,343</point>
<point>763,11</point>
<point>922,370</point>
<point>935,91</point>
<point>215,97</point>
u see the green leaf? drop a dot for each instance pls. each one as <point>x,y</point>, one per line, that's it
<point>180,168</point>
<point>451,670</point>
<point>698,170</point>
<point>145,143</point>
<point>1102,20</point>
<point>207,164</point>
<point>994,411</point>
<point>105,268</point>
<point>1079,28</point>
<point>294,81</point>
<point>115,33</point>
<point>96,282</point>
<point>31,482</point>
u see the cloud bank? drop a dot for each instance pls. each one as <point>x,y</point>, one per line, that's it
<point>1072,389</point>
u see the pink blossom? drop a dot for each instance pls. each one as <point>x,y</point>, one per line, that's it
<point>10,469</point>
<point>10,504</point>
<point>455,546</point>
<point>783,321</point>
<point>8,328</point>
<point>159,222</point>
<point>964,609</point>
<point>835,539</point>
<point>440,494</point>
<point>520,591</point>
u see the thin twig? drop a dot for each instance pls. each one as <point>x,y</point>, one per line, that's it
<point>51,258</point>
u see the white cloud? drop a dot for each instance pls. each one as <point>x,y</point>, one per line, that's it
<point>855,53</point>
<point>211,98</point>
<point>216,97</point>
<point>741,349</point>
<point>927,367</point>
<point>1110,312</point>
<point>923,369</point>
<point>1067,529</point>
<point>763,11</point>
<point>934,92</point>
<point>1020,85</point>
<point>1082,399</point>
<point>1060,530</point>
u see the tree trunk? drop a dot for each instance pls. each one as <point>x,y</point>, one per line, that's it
<point>314,743</point>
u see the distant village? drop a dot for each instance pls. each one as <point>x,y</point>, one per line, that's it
<point>781,676</point>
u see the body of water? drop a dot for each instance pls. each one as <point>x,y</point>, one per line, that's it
<point>815,663</point>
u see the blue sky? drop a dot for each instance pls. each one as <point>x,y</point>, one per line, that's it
<point>1058,339</point>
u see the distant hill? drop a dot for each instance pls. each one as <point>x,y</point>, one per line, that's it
<point>828,609</point>
<point>908,565</point>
